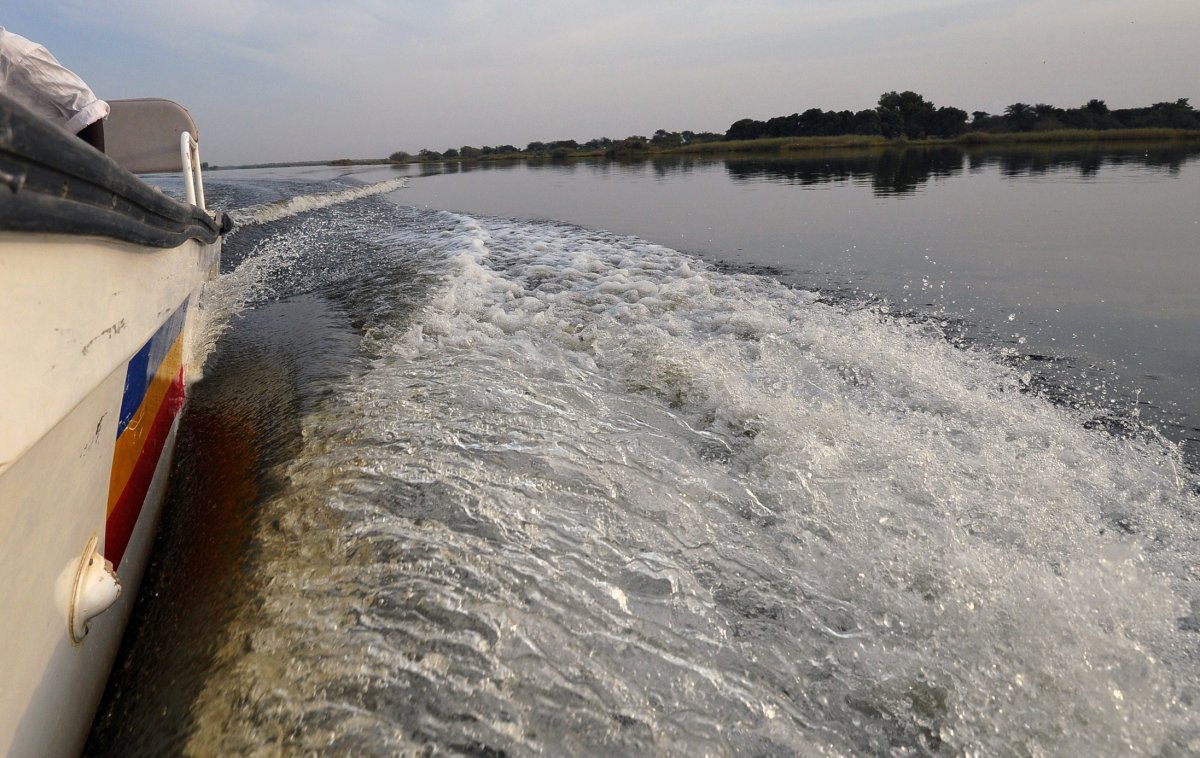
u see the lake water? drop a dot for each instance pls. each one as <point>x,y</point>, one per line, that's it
<point>855,454</point>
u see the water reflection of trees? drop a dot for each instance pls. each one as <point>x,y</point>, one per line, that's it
<point>904,171</point>
<point>889,172</point>
<point>1087,161</point>
<point>436,168</point>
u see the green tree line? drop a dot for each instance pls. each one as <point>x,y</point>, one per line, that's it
<point>898,114</point>
<point>909,114</point>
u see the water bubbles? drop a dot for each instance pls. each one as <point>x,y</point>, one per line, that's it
<point>267,212</point>
<point>599,477</point>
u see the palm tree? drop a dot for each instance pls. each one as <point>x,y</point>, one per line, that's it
<point>1021,115</point>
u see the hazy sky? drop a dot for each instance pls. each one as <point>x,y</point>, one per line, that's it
<point>273,80</point>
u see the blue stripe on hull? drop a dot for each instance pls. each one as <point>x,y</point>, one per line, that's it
<point>144,365</point>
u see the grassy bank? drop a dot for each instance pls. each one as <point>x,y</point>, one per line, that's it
<point>782,144</point>
<point>1075,136</point>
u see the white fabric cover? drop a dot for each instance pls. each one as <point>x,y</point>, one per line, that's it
<point>34,78</point>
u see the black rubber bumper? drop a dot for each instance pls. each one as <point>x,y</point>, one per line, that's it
<point>54,182</point>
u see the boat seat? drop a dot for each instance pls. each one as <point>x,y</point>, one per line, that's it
<point>142,135</point>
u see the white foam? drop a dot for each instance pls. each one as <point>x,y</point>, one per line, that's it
<point>615,481</point>
<point>280,209</point>
<point>227,296</point>
<point>901,502</point>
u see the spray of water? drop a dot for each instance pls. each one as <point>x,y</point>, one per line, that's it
<point>273,256</point>
<point>261,214</point>
<point>592,495</point>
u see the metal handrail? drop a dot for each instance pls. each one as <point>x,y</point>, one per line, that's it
<point>193,179</point>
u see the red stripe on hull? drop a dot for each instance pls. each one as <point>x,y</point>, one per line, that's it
<point>124,516</point>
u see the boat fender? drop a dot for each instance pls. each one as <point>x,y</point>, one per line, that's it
<point>93,588</point>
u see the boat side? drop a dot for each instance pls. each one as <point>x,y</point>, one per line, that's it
<point>101,278</point>
<point>96,338</point>
<point>73,308</point>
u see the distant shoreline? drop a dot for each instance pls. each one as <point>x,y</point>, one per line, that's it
<point>1058,137</point>
<point>1062,138</point>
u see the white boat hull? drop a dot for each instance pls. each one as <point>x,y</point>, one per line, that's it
<point>95,339</point>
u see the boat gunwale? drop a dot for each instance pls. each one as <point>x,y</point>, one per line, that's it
<point>52,182</point>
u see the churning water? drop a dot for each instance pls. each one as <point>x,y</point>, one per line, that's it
<point>457,484</point>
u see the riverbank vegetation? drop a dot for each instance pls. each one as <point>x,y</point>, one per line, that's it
<point>899,118</point>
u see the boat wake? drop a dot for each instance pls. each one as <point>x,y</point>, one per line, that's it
<point>280,209</point>
<point>576,492</point>
<point>251,280</point>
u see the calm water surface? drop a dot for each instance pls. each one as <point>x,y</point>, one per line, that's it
<point>841,456</point>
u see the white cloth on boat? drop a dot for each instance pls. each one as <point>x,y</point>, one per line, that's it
<point>34,78</point>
